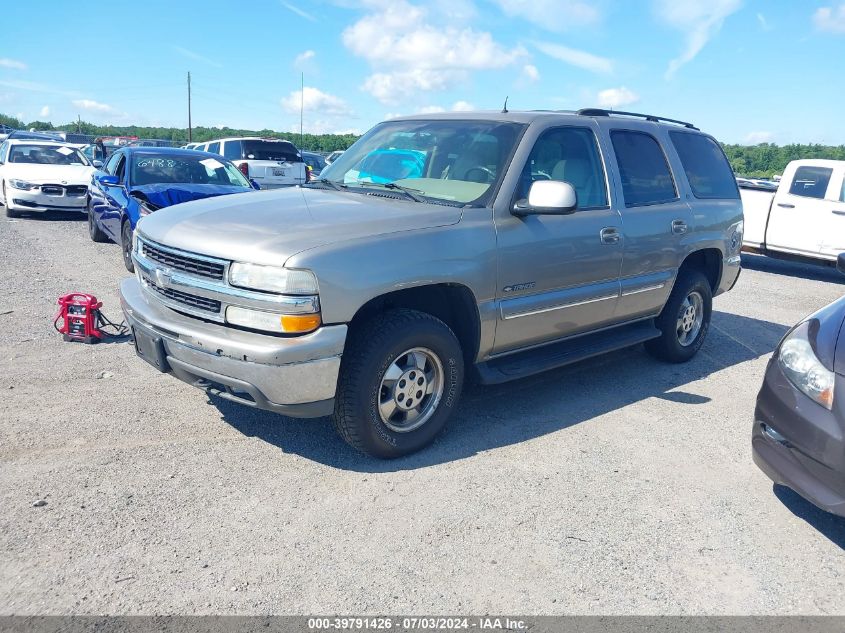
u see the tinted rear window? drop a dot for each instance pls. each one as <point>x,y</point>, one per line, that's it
<point>708,171</point>
<point>270,150</point>
<point>232,150</point>
<point>646,178</point>
<point>214,148</point>
<point>811,182</point>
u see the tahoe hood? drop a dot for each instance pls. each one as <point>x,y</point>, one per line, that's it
<point>267,227</point>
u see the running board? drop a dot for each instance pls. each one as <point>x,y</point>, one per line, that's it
<point>535,361</point>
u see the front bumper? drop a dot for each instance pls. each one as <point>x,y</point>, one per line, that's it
<point>799,443</point>
<point>35,200</point>
<point>294,376</point>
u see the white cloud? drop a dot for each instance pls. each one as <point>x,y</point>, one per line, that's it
<point>197,57</point>
<point>830,19</point>
<point>617,97</point>
<point>303,58</point>
<point>298,11</point>
<point>93,106</point>
<point>45,111</point>
<point>530,73</point>
<point>410,54</point>
<point>574,57</point>
<point>755,138</point>
<point>699,20</point>
<point>314,100</point>
<point>552,15</point>
<point>462,106</point>
<point>14,64</point>
<point>764,23</point>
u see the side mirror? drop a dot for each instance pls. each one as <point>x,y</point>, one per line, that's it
<point>97,163</point>
<point>840,263</point>
<point>548,197</point>
<point>254,184</point>
<point>108,180</point>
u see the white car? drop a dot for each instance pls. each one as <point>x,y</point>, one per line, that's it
<point>272,163</point>
<point>43,176</point>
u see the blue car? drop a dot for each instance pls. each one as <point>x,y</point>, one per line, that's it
<point>136,181</point>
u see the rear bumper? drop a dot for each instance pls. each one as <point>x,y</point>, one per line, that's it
<point>293,376</point>
<point>731,267</point>
<point>799,443</point>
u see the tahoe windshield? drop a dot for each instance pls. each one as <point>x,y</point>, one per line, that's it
<point>455,161</point>
<point>148,169</point>
<point>46,155</point>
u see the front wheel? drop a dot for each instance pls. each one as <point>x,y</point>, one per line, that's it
<point>400,381</point>
<point>685,319</point>
<point>126,245</point>
<point>94,231</point>
<point>10,213</point>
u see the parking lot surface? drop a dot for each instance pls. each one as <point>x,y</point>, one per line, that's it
<point>618,486</point>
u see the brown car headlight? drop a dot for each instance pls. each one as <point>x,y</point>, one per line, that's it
<point>803,368</point>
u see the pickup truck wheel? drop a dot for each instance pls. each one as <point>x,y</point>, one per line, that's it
<point>685,319</point>
<point>400,379</point>
<point>94,231</point>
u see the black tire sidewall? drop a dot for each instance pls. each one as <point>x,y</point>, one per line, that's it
<point>123,246</point>
<point>375,437</point>
<point>669,347</point>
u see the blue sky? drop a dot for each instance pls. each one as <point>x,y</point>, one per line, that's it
<point>743,70</point>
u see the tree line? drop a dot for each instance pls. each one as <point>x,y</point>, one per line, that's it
<point>751,161</point>
<point>309,142</point>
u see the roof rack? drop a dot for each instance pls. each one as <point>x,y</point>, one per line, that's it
<point>647,117</point>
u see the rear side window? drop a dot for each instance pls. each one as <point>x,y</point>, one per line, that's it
<point>646,178</point>
<point>214,148</point>
<point>842,194</point>
<point>270,150</point>
<point>708,171</point>
<point>232,150</point>
<point>811,182</point>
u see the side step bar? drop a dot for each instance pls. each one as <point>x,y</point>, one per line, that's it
<point>535,361</point>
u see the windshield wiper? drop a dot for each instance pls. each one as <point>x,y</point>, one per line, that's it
<point>410,192</point>
<point>331,183</point>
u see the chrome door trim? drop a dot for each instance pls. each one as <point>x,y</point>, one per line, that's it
<point>573,304</point>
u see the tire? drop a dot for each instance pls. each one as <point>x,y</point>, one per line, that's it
<point>685,319</point>
<point>94,231</point>
<point>10,213</point>
<point>126,245</point>
<point>381,366</point>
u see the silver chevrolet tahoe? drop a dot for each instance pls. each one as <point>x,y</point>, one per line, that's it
<point>436,248</point>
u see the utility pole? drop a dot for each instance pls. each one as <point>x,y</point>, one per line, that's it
<point>79,124</point>
<point>189,107</point>
<point>301,105</point>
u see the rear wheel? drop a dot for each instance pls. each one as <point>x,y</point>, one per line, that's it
<point>126,245</point>
<point>400,381</point>
<point>685,319</point>
<point>93,230</point>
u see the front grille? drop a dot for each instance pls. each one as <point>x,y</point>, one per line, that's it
<point>52,190</point>
<point>201,303</point>
<point>185,263</point>
<point>76,190</point>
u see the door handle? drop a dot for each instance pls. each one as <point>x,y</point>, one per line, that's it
<point>839,212</point>
<point>679,227</point>
<point>785,205</point>
<point>610,235</point>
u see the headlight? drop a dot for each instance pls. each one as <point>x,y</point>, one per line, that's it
<point>803,368</point>
<point>21,184</point>
<point>273,279</point>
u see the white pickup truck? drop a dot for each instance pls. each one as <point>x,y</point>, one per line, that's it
<point>804,219</point>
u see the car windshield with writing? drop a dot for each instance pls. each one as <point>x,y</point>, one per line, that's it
<point>150,169</point>
<point>46,155</point>
<point>459,162</point>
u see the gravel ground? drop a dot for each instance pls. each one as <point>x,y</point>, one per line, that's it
<point>618,486</point>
